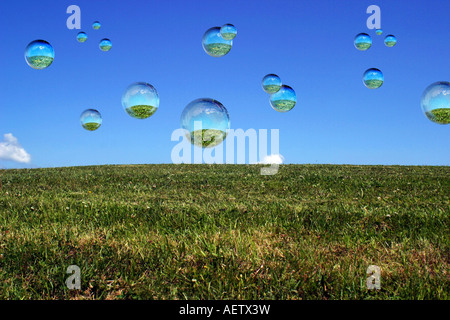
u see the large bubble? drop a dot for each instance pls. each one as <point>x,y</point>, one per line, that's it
<point>284,99</point>
<point>91,119</point>
<point>271,83</point>
<point>435,102</point>
<point>362,41</point>
<point>390,40</point>
<point>228,31</point>
<point>214,44</point>
<point>373,78</point>
<point>206,122</point>
<point>105,44</point>
<point>39,54</point>
<point>140,100</point>
<point>81,36</point>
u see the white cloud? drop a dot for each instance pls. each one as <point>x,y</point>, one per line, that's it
<point>273,159</point>
<point>10,149</point>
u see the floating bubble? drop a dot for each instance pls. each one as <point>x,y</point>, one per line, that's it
<point>140,100</point>
<point>373,78</point>
<point>284,99</point>
<point>39,54</point>
<point>81,36</point>
<point>96,25</point>
<point>390,40</point>
<point>206,121</point>
<point>271,83</point>
<point>214,44</point>
<point>228,31</point>
<point>91,119</point>
<point>435,102</point>
<point>362,41</point>
<point>378,31</point>
<point>105,44</point>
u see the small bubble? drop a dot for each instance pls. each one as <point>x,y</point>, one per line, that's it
<point>206,122</point>
<point>228,31</point>
<point>390,40</point>
<point>91,119</point>
<point>214,44</point>
<point>373,78</point>
<point>435,102</point>
<point>284,99</point>
<point>39,54</point>
<point>140,100</point>
<point>362,41</point>
<point>105,44</point>
<point>271,83</point>
<point>81,36</point>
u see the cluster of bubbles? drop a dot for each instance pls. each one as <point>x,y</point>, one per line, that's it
<point>140,100</point>
<point>206,122</point>
<point>282,97</point>
<point>104,44</point>
<point>217,42</point>
<point>39,54</point>
<point>363,41</point>
<point>435,102</point>
<point>372,78</point>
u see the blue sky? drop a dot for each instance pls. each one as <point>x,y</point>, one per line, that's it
<point>309,44</point>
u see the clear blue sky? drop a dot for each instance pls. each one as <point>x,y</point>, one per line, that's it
<point>309,44</point>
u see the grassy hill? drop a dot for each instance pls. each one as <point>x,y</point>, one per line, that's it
<point>225,232</point>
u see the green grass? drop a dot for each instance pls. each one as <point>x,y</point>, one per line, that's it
<point>207,137</point>
<point>390,43</point>
<point>373,83</point>
<point>105,48</point>
<point>283,105</point>
<point>40,62</point>
<point>218,49</point>
<point>225,232</point>
<point>91,126</point>
<point>272,88</point>
<point>363,45</point>
<point>228,35</point>
<point>141,111</point>
<point>440,115</point>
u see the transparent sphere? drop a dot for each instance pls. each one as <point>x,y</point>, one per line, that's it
<point>105,44</point>
<point>284,99</point>
<point>96,25</point>
<point>81,37</point>
<point>206,122</point>
<point>435,102</point>
<point>379,31</point>
<point>373,78</point>
<point>140,100</point>
<point>362,41</point>
<point>390,40</point>
<point>91,119</point>
<point>228,31</point>
<point>271,83</point>
<point>39,54</point>
<point>214,44</point>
